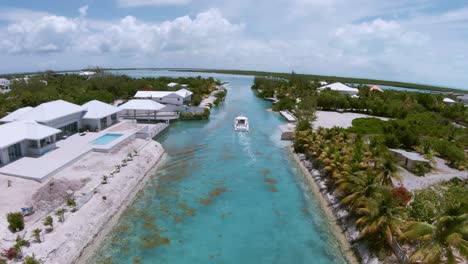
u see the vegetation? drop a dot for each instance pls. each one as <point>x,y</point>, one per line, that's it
<point>419,121</point>
<point>32,260</point>
<point>49,221</point>
<point>312,77</point>
<point>362,174</point>
<point>195,116</point>
<point>71,202</point>
<point>220,96</point>
<point>104,87</point>
<point>61,215</point>
<point>15,222</point>
<point>37,235</point>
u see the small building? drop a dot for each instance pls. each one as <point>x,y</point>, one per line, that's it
<point>172,84</point>
<point>463,99</point>
<point>323,83</point>
<point>339,87</point>
<point>410,160</point>
<point>25,138</point>
<point>99,115</point>
<point>166,97</point>
<point>448,100</point>
<point>375,88</point>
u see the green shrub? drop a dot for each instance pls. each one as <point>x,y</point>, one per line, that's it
<point>284,104</point>
<point>303,125</point>
<point>448,150</point>
<point>426,206</point>
<point>367,126</point>
<point>32,260</point>
<point>15,221</point>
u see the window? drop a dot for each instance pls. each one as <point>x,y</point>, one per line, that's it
<point>68,130</point>
<point>14,152</point>
<point>103,122</point>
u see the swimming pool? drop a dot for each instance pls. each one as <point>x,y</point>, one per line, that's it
<point>105,139</point>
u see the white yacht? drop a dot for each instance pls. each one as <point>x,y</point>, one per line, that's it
<point>241,124</point>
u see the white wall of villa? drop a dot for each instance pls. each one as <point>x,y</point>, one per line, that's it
<point>101,123</point>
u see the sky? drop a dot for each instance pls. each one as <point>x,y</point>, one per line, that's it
<point>421,41</point>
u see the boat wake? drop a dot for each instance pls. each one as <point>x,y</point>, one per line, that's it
<point>246,143</point>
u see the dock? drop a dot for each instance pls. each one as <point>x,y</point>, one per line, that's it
<point>289,116</point>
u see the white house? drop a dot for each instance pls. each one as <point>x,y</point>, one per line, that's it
<point>99,115</point>
<point>339,87</point>
<point>448,100</point>
<point>4,85</point>
<point>21,138</point>
<point>166,97</point>
<point>172,84</point>
<point>463,99</point>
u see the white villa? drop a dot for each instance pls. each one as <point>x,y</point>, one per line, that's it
<point>22,138</point>
<point>32,131</point>
<point>166,97</point>
<point>341,88</point>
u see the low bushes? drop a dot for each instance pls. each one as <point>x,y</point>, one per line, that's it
<point>15,222</point>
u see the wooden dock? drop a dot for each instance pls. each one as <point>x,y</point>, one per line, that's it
<point>289,116</point>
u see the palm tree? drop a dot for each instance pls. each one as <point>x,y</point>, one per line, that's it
<point>356,187</point>
<point>439,241</point>
<point>379,214</point>
<point>49,221</point>
<point>37,235</point>
<point>388,168</point>
<point>61,215</point>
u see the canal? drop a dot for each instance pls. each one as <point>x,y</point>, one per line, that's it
<point>222,196</point>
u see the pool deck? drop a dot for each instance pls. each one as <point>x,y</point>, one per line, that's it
<point>73,148</point>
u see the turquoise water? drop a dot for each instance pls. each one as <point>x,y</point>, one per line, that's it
<point>105,139</point>
<point>224,197</point>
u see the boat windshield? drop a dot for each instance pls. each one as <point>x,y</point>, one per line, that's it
<point>241,121</point>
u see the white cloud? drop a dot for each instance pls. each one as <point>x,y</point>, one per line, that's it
<point>136,3</point>
<point>83,10</point>
<point>129,36</point>
<point>363,38</point>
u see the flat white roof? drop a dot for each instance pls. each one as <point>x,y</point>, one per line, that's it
<point>339,87</point>
<point>16,114</point>
<point>172,84</point>
<point>51,110</point>
<point>410,155</point>
<point>142,104</point>
<point>97,109</point>
<point>18,131</point>
<point>448,100</point>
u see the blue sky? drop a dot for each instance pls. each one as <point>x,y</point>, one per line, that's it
<point>419,41</point>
